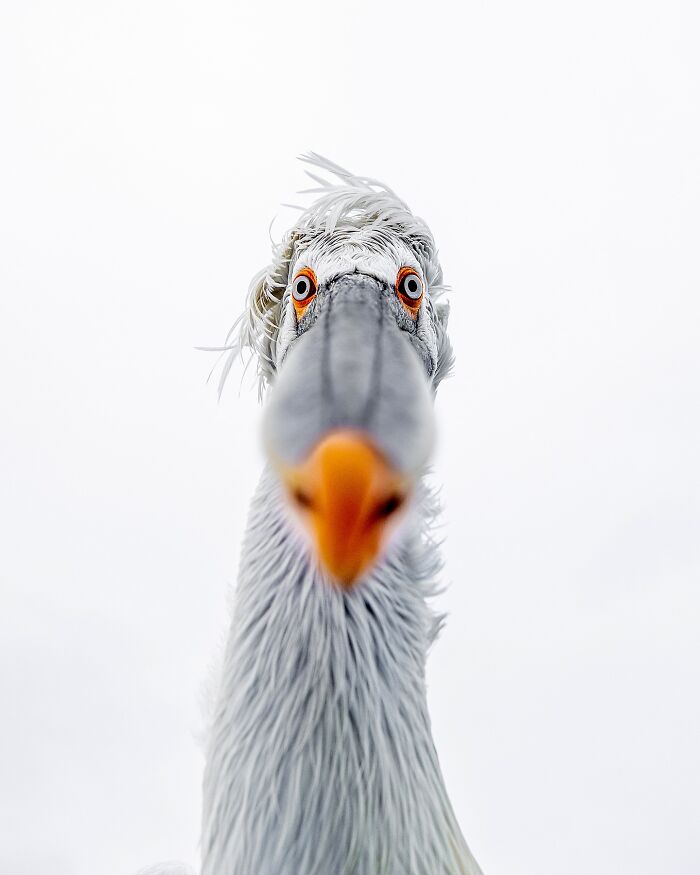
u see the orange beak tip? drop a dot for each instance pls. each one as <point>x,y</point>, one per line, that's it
<point>347,497</point>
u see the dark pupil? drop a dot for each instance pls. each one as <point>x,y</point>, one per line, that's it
<point>301,287</point>
<point>412,286</point>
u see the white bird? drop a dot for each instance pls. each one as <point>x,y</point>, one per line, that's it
<point>320,758</point>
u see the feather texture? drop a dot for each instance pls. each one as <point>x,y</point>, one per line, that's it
<point>320,754</point>
<point>320,759</point>
<point>354,211</point>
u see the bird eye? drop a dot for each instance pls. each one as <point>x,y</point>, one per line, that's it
<point>304,287</point>
<point>409,287</point>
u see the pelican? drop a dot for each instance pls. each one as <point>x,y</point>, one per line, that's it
<point>320,758</point>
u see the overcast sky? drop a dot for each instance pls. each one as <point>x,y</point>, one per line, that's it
<point>554,149</point>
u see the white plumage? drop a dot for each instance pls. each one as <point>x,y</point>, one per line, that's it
<point>320,759</point>
<point>356,222</point>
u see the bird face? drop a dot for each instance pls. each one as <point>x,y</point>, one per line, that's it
<point>349,330</point>
<point>349,422</point>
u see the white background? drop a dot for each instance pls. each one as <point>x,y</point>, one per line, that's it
<point>554,149</point>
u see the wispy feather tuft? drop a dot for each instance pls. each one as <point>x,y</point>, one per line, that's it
<point>346,205</point>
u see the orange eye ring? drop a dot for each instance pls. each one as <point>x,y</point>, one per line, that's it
<point>304,288</point>
<point>410,289</point>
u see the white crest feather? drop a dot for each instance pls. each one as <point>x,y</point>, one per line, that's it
<point>351,205</point>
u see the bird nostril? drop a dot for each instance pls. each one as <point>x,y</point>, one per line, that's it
<point>301,499</point>
<point>391,505</point>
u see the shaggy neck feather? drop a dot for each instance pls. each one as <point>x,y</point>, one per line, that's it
<point>320,759</point>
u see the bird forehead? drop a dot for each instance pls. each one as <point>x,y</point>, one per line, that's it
<point>330,259</point>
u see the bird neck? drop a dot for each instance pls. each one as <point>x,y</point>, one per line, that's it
<point>320,755</point>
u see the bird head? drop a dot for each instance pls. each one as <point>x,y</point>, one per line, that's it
<point>351,336</point>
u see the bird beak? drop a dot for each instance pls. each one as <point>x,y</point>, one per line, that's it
<point>348,497</point>
<point>349,425</point>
